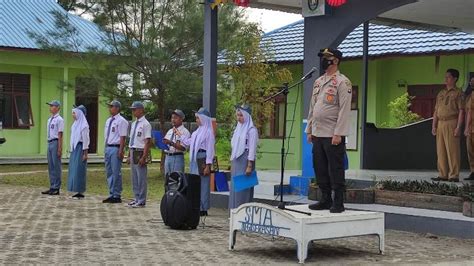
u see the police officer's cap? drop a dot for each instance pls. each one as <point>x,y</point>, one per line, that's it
<point>330,52</point>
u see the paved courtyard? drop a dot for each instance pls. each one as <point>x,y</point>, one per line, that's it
<point>47,230</point>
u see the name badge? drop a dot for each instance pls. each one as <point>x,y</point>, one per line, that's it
<point>113,129</point>
<point>139,134</point>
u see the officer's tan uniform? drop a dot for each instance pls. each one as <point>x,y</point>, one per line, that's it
<point>470,138</point>
<point>448,105</point>
<point>330,107</point>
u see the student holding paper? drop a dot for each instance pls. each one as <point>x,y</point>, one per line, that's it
<point>201,150</point>
<point>244,147</point>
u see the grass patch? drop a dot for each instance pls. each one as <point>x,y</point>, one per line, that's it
<point>96,180</point>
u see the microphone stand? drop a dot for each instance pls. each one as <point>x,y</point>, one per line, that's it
<point>284,90</point>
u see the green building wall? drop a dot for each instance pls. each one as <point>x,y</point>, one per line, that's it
<point>47,76</point>
<point>384,74</point>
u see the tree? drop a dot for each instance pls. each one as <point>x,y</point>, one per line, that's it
<point>158,43</point>
<point>247,77</point>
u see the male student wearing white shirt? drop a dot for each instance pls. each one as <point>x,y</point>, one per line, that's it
<point>140,139</point>
<point>116,131</point>
<point>55,128</point>
<point>174,161</point>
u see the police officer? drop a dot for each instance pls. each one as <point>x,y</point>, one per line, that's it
<point>174,161</point>
<point>55,129</point>
<point>116,131</point>
<point>468,132</point>
<point>140,142</point>
<point>328,125</point>
<point>447,121</point>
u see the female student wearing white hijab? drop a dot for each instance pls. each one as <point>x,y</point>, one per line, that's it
<point>79,146</point>
<point>201,150</point>
<point>244,147</point>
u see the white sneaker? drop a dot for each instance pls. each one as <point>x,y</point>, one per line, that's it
<point>138,205</point>
<point>131,203</point>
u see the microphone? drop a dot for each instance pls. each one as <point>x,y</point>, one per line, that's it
<point>309,74</point>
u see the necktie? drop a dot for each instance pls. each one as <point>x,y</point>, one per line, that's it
<point>133,135</point>
<point>49,127</point>
<point>108,131</point>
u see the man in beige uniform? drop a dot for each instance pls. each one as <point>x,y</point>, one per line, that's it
<point>328,125</point>
<point>447,121</point>
<point>469,130</point>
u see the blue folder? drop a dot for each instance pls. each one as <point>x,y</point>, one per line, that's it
<point>242,182</point>
<point>159,140</point>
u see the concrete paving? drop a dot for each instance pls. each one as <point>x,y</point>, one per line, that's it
<point>58,230</point>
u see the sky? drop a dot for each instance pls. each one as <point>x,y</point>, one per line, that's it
<point>270,19</point>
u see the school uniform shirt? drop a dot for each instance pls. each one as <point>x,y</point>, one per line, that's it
<point>251,144</point>
<point>330,107</point>
<point>174,138</point>
<point>118,128</point>
<point>54,126</point>
<point>140,131</point>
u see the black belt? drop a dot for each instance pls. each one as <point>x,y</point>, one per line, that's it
<point>113,145</point>
<point>49,141</point>
<point>136,149</point>
<point>201,150</point>
<point>174,154</point>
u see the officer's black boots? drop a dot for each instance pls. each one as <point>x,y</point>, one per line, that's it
<point>338,203</point>
<point>324,204</point>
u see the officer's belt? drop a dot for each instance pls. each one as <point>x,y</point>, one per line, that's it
<point>448,118</point>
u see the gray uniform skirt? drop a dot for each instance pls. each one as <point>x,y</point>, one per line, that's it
<point>76,180</point>
<point>238,167</point>
<point>205,183</point>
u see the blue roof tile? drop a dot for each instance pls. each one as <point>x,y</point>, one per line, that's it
<point>21,17</point>
<point>286,43</point>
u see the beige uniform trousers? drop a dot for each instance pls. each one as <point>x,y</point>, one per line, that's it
<point>448,149</point>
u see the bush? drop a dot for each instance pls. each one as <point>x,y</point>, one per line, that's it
<point>400,110</point>
<point>426,187</point>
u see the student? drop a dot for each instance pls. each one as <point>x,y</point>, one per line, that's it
<point>140,140</point>
<point>244,147</point>
<point>116,131</point>
<point>174,161</point>
<point>79,146</point>
<point>201,152</point>
<point>55,128</point>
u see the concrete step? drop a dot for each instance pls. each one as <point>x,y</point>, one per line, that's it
<point>270,188</point>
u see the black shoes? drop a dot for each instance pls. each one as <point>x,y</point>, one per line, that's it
<point>112,200</point>
<point>324,204</point>
<point>53,192</point>
<point>438,179</point>
<point>320,206</point>
<point>78,196</point>
<point>471,177</point>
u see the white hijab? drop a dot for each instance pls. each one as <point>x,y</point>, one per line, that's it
<point>240,135</point>
<point>77,127</point>
<point>203,132</point>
